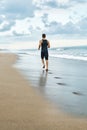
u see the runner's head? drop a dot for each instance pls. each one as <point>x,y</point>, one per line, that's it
<point>43,35</point>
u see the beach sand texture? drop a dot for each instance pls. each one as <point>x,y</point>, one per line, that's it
<point>22,108</point>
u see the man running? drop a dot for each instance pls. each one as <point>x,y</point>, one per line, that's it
<point>44,44</point>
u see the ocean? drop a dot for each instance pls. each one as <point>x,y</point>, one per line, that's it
<point>74,52</point>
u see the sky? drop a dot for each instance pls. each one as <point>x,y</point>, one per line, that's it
<point>26,20</point>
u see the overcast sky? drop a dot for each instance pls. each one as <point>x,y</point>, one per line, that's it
<point>28,19</point>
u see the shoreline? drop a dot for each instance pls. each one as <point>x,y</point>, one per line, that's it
<point>22,108</point>
<point>64,84</point>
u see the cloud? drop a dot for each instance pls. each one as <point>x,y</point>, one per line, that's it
<point>54,28</point>
<point>79,1</point>
<point>18,9</point>
<point>83,26</point>
<point>62,17</point>
<point>11,10</point>
<point>1,18</point>
<point>18,34</point>
<point>6,26</point>
<point>59,4</point>
<point>52,4</point>
<point>68,29</point>
<point>45,19</point>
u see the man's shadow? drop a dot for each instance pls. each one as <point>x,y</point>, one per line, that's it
<point>42,80</point>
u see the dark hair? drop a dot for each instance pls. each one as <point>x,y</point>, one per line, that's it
<point>43,35</point>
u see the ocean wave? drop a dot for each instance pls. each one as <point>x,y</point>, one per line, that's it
<point>69,57</point>
<point>74,53</point>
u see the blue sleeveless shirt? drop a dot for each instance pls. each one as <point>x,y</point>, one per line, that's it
<point>44,46</point>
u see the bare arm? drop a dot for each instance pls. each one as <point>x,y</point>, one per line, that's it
<point>39,45</point>
<point>48,44</point>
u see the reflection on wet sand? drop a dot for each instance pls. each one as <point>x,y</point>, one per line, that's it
<point>42,80</point>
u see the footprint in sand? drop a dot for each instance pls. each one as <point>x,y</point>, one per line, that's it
<point>57,77</point>
<point>77,93</point>
<point>62,84</point>
<point>50,73</point>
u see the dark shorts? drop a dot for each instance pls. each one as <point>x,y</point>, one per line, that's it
<point>44,54</point>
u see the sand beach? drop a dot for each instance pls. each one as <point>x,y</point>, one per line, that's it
<point>23,108</point>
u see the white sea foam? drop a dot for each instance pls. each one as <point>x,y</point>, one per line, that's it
<point>69,57</point>
<point>74,53</point>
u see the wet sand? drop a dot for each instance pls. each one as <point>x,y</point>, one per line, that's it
<point>22,108</point>
<point>65,84</point>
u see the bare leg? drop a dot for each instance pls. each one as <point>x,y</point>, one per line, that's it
<point>46,64</point>
<point>43,63</point>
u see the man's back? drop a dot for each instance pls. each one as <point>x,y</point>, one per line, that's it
<point>44,46</point>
